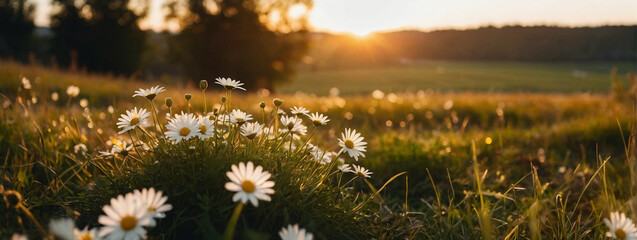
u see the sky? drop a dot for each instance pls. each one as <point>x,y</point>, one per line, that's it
<point>361,17</point>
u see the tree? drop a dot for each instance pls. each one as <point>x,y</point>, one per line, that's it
<point>99,35</point>
<point>256,42</point>
<point>16,27</point>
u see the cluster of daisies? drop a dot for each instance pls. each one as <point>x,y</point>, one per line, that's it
<point>249,183</point>
<point>127,217</point>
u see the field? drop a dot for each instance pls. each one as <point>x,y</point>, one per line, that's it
<point>474,157</point>
<point>463,76</point>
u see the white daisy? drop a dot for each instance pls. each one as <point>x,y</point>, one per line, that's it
<point>62,228</point>
<point>125,218</point>
<point>86,234</point>
<point>229,84</point>
<point>206,128</point>
<point>149,94</point>
<point>361,171</point>
<point>182,127</point>
<point>318,119</point>
<point>322,157</point>
<point>299,111</point>
<point>250,183</point>
<point>345,168</point>
<point>154,200</point>
<point>620,227</point>
<point>132,119</point>
<point>294,125</point>
<point>121,148</point>
<point>73,91</point>
<point>352,143</point>
<point>293,232</point>
<point>251,130</point>
<point>238,116</point>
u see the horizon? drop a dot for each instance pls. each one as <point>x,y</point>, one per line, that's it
<point>376,16</point>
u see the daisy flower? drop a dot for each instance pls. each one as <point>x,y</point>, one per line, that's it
<point>299,111</point>
<point>620,227</point>
<point>250,183</point>
<point>345,168</point>
<point>26,84</point>
<point>352,143</point>
<point>182,127</point>
<point>132,119</point>
<point>238,116</point>
<point>361,171</point>
<point>73,91</point>
<point>322,157</point>
<point>86,234</point>
<point>294,125</point>
<point>293,232</point>
<point>251,130</point>
<point>120,148</point>
<point>206,127</point>
<point>125,218</point>
<point>149,94</point>
<point>154,200</point>
<point>229,84</point>
<point>318,119</point>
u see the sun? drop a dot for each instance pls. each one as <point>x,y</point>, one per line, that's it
<point>361,33</point>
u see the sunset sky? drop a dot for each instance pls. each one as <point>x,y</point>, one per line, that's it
<point>361,17</point>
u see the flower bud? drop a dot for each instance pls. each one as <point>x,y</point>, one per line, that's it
<point>262,104</point>
<point>12,198</point>
<point>188,96</point>
<point>223,99</point>
<point>278,102</point>
<point>169,102</point>
<point>203,84</point>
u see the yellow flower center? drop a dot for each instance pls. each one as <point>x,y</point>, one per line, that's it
<point>152,208</point>
<point>361,173</point>
<point>620,234</point>
<point>203,129</point>
<point>85,237</point>
<point>248,186</point>
<point>128,223</point>
<point>317,122</point>
<point>239,119</point>
<point>184,131</point>
<point>349,144</point>
<point>134,121</point>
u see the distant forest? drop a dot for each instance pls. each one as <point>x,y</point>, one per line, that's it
<point>511,43</point>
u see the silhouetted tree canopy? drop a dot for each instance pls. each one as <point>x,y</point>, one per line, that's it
<point>99,35</point>
<point>16,27</point>
<point>253,41</point>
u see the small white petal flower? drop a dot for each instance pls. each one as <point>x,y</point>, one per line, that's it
<point>361,171</point>
<point>251,130</point>
<point>229,84</point>
<point>293,232</point>
<point>250,183</point>
<point>620,227</point>
<point>182,127</point>
<point>26,84</point>
<point>125,218</point>
<point>345,168</point>
<point>294,125</point>
<point>86,234</point>
<point>299,111</point>
<point>323,157</point>
<point>238,116</point>
<point>155,201</point>
<point>73,91</point>
<point>206,127</point>
<point>149,94</point>
<point>352,143</point>
<point>55,96</point>
<point>132,119</point>
<point>318,119</point>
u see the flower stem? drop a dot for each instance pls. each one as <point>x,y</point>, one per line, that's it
<point>205,108</point>
<point>229,233</point>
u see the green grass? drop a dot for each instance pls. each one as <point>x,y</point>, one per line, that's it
<point>556,165</point>
<point>462,76</point>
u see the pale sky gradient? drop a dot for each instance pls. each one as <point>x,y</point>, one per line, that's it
<point>364,16</point>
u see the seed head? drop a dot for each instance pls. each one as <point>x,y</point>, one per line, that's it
<point>169,102</point>
<point>278,102</point>
<point>262,104</point>
<point>188,96</point>
<point>203,84</point>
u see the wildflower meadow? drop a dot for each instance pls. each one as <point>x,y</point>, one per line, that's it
<point>108,160</point>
